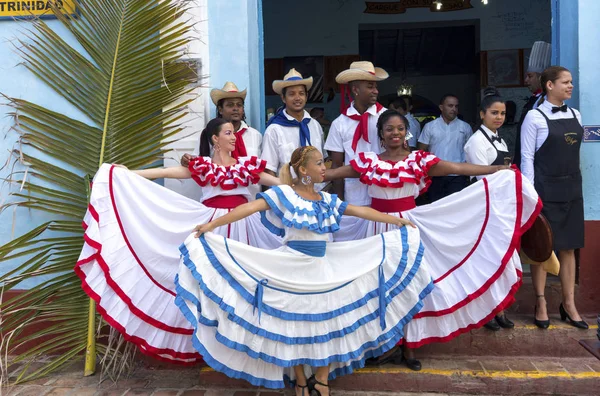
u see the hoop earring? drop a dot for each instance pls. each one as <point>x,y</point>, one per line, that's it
<point>217,147</point>
<point>405,144</point>
<point>306,180</point>
<point>382,143</point>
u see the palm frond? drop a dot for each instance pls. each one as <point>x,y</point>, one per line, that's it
<point>132,88</point>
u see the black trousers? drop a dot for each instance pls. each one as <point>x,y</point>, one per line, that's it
<point>442,186</point>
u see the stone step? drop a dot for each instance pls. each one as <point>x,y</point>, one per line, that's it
<point>459,375</point>
<point>559,340</point>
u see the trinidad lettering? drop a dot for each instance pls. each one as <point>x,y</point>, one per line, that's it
<point>27,5</point>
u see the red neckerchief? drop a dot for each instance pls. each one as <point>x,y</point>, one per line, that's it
<point>362,129</point>
<point>538,92</point>
<point>240,146</point>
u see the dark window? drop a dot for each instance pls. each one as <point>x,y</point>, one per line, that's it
<point>426,51</point>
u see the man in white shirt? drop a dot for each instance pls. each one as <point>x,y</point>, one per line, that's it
<point>415,126</point>
<point>355,131</point>
<point>292,127</point>
<point>446,137</point>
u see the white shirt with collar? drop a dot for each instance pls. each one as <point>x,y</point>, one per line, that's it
<point>446,141</point>
<point>252,140</point>
<point>534,133</point>
<point>279,142</point>
<point>480,151</point>
<point>415,129</point>
<point>339,140</point>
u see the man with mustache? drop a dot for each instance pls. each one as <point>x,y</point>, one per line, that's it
<point>446,137</point>
<point>352,132</point>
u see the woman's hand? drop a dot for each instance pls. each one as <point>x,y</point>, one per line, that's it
<point>120,166</point>
<point>405,222</point>
<point>498,168</point>
<point>203,228</point>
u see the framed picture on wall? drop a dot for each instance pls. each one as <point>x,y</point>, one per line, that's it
<point>308,66</point>
<point>504,68</point>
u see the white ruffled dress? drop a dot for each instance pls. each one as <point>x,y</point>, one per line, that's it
<point>133,230</point>
<point>470,239</point>
<point>258,313</point>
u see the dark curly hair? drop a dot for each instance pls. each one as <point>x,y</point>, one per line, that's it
<point>384,117</point>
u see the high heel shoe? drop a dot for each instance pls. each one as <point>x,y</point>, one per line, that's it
<point>542,324</point>
<point>564,316</point>
<point>303,387</point>
<point>312,382</point>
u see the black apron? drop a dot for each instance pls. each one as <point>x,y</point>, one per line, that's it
<point>558,181</point>
<point>502,157</point>
<point>528,106</point>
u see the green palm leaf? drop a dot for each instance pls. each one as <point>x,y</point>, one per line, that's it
<point>131,85</point>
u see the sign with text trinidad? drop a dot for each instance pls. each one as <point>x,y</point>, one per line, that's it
<point>33,8</point>
<point>400,6</point>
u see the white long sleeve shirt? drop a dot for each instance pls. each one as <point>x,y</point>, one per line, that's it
<point>534,133</point>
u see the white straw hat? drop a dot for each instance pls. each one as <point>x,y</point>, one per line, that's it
<point>229,91</point>
<point>361,71</point>
<point>291,79</point>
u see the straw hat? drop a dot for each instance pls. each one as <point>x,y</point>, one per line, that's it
<point>229,91</point>
<point>361,71</point>
<point>291,79</point>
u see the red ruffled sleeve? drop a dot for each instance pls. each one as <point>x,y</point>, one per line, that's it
<point>245,172</point>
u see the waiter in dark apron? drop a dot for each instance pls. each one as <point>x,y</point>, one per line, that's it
<point>550,143</point>
<point>486,147</point>
<point>539,60</point>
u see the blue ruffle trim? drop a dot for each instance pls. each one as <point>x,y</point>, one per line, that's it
<point>292,316</point>
<point>393,336</point>
<point>321,211</point>
<point>304,340</point>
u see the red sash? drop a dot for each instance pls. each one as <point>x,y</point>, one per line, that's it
<point>393,205</point>
<point>225,201</point>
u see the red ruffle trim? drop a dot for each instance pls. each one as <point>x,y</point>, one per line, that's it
<point>242,174</point>
<point>144,347</point>
<point>510,298</point>
<point>416,167</point>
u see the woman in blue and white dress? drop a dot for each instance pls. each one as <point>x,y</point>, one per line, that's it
<point>262,315</point>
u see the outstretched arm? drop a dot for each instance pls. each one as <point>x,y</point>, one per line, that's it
<point>343,172</point>
<point>364,212</point>
<point>173,172</point>
<point>241,212</point>
<point>267,179</point>
<point>444,168</point>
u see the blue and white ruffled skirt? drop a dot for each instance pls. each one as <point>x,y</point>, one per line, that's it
<point>258,313</point>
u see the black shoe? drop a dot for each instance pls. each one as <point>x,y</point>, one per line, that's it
<point>413,364</point>
<point>564,316</point>
<point>542,324</point>
<point>394,358</point>
<point>492,325</point>
<point>504,322</point>
<point>312,382</point>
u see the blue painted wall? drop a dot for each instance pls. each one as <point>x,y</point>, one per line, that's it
<point>236,52</point>
<point>588,96</point>
<point>16,81</point>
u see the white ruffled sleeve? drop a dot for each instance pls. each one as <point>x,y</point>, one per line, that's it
<point>245,172</point>
<point>288,209</point>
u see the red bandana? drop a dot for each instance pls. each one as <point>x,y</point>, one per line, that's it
<point>362,129</point>
<point>240,147</point>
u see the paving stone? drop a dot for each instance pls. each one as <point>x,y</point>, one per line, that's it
<point>32,390</point>
<point>166,392</point>
<point>594,366</point>
<point>247,393</point>
<point>522,365</point>
<point>469,365</point>
<point>495,365</point>
<point>60,391</point>
<point>111,392</point>
<point>548,365</point>
<point>575,366</point>
<point>193,392</point>
<point>84,392</point>
<point>140,392</point>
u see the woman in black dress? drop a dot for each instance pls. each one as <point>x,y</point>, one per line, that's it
<point>550,141</point>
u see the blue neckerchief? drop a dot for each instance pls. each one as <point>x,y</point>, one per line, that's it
<point>281,119</point>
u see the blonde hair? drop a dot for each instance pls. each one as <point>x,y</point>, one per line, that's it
<point>299,158</point>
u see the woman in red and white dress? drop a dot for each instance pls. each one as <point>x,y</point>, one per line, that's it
<point>133,230</point>
<point>469,238</point>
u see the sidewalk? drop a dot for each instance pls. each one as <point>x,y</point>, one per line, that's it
<point>455,376</point>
